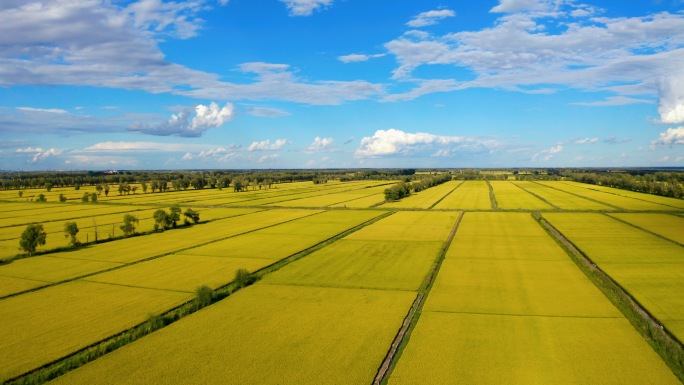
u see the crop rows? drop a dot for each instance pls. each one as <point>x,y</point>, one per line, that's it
<point>509,306</point>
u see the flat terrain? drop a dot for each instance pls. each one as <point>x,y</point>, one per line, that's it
<point>341,271</point>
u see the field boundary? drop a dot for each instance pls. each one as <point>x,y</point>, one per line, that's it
<point>411,319</point>
<point>96,350</point>
<point>643,229</point>
<point>447,194</point>
<point>663,342</point>
<point>492,197</point>
<point>618,208</point>
<point>537,196</point>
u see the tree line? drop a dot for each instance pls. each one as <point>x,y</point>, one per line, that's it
<point>405,187</point>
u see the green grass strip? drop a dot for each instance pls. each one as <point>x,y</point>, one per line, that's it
<point>411,319</point>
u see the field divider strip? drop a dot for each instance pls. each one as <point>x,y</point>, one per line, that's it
<point>644,230</point>
<point>98,349</point>
<point>527,315</point>
<point>413,315</point>
<point>152,257</point>
<point>630,197</point>
<point>618,208</point>
<point>663,342</point>
<point>444,197</point>
<point>492,197</point>
<point>536,196</point>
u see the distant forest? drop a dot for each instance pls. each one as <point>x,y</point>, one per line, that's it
<point>669,182</point>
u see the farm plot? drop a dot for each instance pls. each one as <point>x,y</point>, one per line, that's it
<point>618,201</point>
<point>215,264</point>
<point>299,323</point>
<point>666,201</point>
<point>43,326</point>
<point>339,199</point>
<point>73,264</point>
<point>426,198</point>
<point>470,195</point>
<point>510,196</point>
<point>650,268</point>
<point>668,226</point>
<point>500,316</point>
<point>294,335</point>
<point>561,199</point>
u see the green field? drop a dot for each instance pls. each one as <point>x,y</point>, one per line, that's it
<point>470,195</point>
<point>359,288</point>
<point>500,316</point>
<point>510,196</point>
<point>507,305</point>
<point>648,267</point>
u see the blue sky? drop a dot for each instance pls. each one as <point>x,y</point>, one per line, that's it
<point>153,84</point>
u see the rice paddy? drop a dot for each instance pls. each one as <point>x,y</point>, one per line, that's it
<point>507,304</point>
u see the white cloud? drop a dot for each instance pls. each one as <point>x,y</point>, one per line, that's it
<point>181,124</point>
<point>526,51</point>
<point>39,154</point>
<point>266,145</point>
<point>669,138</point>
<point>615,101</point>
<point>305,7</point>
<point>268,158</point>
<point>222,154</point>
<point>187,156</point>
<point>265,112</point>
<point>424,87</point>
<point>106,44</point>
<point>430,17</point>
<point>45,110</point>
<point>354,57</point>
<point>320,144</point>
<point>104,147</point>
<point>587,141</point>
<point>671,103</point>
<point>396,142</point>
<point>508,6</point>
<point>547,154</point>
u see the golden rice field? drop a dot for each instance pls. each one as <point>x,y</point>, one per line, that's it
<point>507,304</point>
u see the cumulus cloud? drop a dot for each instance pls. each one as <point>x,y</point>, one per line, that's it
<point>305,7</point>
<point>429,18</point>
<point>671,103</point>
<point>266,145</point>
<point>669,138</point>
<point>39,154</point>
<point>189,123</point>
<point>354,57</point>
<point>320,144</point>
<point>548,154</point>
<point>396,142</point>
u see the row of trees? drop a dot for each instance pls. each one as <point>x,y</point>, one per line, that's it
<point>669,184</point>
<point>404,188</point>
<point>34,235</point>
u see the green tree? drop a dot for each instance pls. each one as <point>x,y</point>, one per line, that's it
<point>62,198</point>
<point>21,193</point>
<point>33,236</point>
<point>106,190</point>
<point>191,215</point>
<point>144,187</point>
<point>161,220</point>
<point>244,278</point>
<point>204,295</point>
<point>175,214</point>
<point>99,189</point>
<point>128,226</point>
<point>85,198</point>
<point>48,186</point>
<point>93,197</point>
<point>41,198</point>
<point>70,230</point>
<point>77,187</point>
